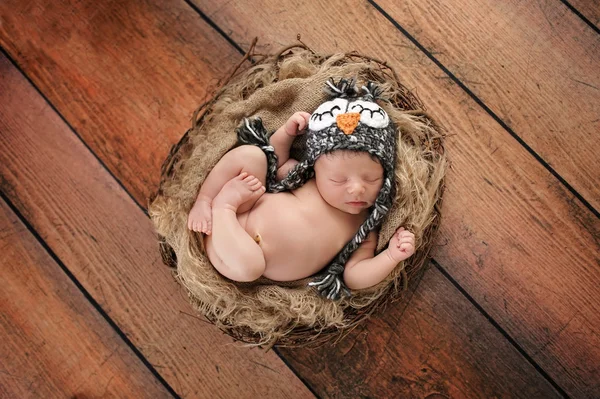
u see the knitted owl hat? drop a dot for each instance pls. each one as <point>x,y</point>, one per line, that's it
<point>351,120</point>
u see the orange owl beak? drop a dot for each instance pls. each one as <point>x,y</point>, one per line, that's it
<point>348,122</point>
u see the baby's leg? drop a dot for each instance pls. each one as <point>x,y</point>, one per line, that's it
<point>241,257</point>
<point>247,158</point>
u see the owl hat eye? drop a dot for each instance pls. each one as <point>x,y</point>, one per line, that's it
<point>326,114</point>
<point>371,114</point>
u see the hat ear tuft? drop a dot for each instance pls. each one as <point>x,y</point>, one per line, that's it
<point>342,89</point>
<point>372,91</point>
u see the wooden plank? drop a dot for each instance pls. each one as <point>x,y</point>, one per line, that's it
<point>109,245</point>
<point>534,64</point>
<point>54,343</point>
<point>512,236</point>
<point>126,56</point>
<point>432,343</point>
<point>590,9</point>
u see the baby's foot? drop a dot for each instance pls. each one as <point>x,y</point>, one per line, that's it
<point>200,217</point>
<point>237,191</point>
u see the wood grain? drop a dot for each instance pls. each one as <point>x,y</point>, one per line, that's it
<point>109,245</point>
<point>120,74</point>
<point>432,343</point>
<point>534,64</point>
<point>512,236</point>
<point>54,343</point>
<point>589,9</point>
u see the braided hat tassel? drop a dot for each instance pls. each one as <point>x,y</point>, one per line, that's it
<point>253,132</point>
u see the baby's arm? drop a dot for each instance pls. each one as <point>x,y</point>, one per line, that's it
<point>282,139</point>
<point>364,270</point>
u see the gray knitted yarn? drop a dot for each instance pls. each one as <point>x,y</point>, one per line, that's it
<point>377,141</point>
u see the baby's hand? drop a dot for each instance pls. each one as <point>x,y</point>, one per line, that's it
<point>402,245</point>
<point>297,123</point>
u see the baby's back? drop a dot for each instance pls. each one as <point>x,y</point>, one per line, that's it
<point>299,232</point>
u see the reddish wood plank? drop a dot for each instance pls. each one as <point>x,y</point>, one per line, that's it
<point>129,61</point>
<point>436,343</point>
<point>54,343</point>
<point>535,64</point>
<point>110,246</point>
<point>589,9</point>
<point>512,236</point>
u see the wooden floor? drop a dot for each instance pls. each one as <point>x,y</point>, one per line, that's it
<point>94,93</point>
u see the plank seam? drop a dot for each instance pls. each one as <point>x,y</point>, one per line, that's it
<point>60,115</point>
<point>580,15</point>
<point>87,295</point>
<point>489,318</point>
<point>486,108</point>
<point>213,25</point>
<point>293,370</point>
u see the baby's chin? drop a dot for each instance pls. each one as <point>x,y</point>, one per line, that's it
<point>352,209</point>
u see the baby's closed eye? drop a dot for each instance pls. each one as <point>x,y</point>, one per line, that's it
<point>339,179</point>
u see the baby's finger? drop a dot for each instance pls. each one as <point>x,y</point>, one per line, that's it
<point>301,122</point>
<point>404,247</point>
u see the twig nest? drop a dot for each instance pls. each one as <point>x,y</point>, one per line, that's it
<point>266,312</point>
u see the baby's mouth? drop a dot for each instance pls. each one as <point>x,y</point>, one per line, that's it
<point>357,203</point>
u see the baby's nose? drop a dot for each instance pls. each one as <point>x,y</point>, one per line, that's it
<point>356,188</point>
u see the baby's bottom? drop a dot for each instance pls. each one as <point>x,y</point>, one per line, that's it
<point>250,264</point>
<point>231,250</point>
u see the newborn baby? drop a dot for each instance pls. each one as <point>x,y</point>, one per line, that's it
<point>290,235</point>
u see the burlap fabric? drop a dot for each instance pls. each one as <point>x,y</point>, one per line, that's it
<point>291,314</point>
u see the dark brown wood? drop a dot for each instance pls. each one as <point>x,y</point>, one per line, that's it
<point>115,69</point>
<point>54,343</point>
<point>534,64</point>
<point>512,236</point>
<point>434,342</point>
<point>109,245</point>
<point>590,9</point>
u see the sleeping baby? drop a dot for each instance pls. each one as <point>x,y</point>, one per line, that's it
<point>266,214</point>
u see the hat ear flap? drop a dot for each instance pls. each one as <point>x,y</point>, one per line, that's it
<point>295,178</point>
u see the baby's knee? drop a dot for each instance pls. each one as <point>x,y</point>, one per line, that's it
<point>249,153</point>
<point>251,270</point>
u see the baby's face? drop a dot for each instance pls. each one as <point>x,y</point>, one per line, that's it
<point>349,181</point>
